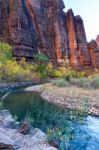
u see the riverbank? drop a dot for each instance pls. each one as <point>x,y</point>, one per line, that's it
<point>12,139</point>
<point>71,97</point>
<point>5,86</point>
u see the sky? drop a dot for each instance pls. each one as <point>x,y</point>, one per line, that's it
<point>89,11</point>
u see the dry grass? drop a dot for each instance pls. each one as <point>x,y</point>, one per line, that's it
<point>74,92</point>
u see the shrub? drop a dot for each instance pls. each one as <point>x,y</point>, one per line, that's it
<point>49,69</point>
<point>91,82</point>
<point>5,52</point>
<point>41,58</point>
<point>81,74</point>
<point>12,71</point>
<point>81,82</point>
<point>9,70</point>
<point>41,69</point>
<point>95,82</point>
<point>84,83</point>
<point>74,81</point>
<point>57,73</point>
<point>63,70</point>
<point>67,77</point>
<point>60,82</point>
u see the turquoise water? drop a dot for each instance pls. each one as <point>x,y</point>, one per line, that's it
<point>75,131</point>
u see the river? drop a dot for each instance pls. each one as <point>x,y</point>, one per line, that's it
<point>75,131</point>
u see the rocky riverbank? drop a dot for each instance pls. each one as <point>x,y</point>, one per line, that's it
<point>11,85</point>
<point>5,86</point>
<point>72,103</point>
<point>69,97</point>
<point>12,139</point>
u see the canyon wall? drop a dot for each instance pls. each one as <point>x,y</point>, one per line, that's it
<point>33,26</point>
<point>97,40</point>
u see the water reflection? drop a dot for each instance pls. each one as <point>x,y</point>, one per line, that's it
<point>44,116</point>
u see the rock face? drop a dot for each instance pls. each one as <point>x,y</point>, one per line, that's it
<point>94,53</point>
<point>97,40</point>
<point>31,26</point>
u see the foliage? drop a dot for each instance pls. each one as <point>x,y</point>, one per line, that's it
<point>74,81</point>
<point>41,58</point>
<point>49,67</point>
<point>5,52</point>
<point>1,105</point>
<point>95,82</point>
<point>67,73</point>
<point>84,83</point>
<point>10,70</point>
<point>56,122</point>
<point>41,69</point>
<point>60,82</point>
<point>52,120</point>
<point>56,73</point>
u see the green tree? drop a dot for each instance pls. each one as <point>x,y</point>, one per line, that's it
<point>5,52</point>
<point>41,58</point>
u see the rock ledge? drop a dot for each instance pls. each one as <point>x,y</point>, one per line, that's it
<point>11,139</point>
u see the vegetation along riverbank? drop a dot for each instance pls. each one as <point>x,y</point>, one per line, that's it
<point>76,91</point>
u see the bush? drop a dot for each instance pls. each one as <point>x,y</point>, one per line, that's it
<point>12,71</point>
<point>95,82</point>
<point>41,69</point>
<point>57,73</point>
<point>9,70</point>
<point>49,68</point>
<point>91,82</point>
<point>41,58</point>
<point>5,52</point>
<point>60,82</point>
<point>74,81</point>
<point>84,82</point>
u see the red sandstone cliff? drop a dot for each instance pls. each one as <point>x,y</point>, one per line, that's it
<point>42,25</point>
<point>97,40</point>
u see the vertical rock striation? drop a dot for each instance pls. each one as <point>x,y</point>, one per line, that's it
<point>82,42</point>
<point>33,26</point>
<point>97,40</point>
<point>72,38</point>
<point>21,30</point>
<point>94,53</point>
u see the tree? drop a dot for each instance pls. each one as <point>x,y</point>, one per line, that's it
<point>5,52</point>
<point>41,58</point>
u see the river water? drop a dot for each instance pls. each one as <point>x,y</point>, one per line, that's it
<point>77,132</point>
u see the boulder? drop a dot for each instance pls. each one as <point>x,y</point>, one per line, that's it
<point>5,141</point>
<point>24,128</point>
